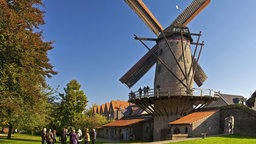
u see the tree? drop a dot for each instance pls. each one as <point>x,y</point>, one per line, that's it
<point>73,103</point>
<point>86,121</point>
<point>24,63</point>
<point>90,120</point>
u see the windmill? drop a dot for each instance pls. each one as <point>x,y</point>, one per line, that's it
<point>176,71</point>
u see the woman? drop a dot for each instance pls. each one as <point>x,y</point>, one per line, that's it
<point>87,136</point>
<point>79,134</point>
<point>74,137</point>
<point>49,137</point>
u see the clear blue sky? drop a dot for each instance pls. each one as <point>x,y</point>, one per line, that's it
<point>94,44</point>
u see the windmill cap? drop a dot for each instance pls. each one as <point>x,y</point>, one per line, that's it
<point>174,31</point>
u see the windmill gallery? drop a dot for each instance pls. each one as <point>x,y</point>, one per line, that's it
<point>177,109</point>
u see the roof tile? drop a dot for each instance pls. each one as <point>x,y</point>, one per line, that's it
<point>193,117</point>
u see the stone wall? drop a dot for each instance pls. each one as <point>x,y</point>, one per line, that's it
<point>143,131</point>
<point>209,125</point>
<point>245,119</point>
<point>161,128</point>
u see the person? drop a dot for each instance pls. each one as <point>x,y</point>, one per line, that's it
<point>79,135</point>
<point>54,137</point>
<point>132,95</point>
<point>73,137</point>
<point>87,136</point>
<point>93,136</point>
<point>43,136</point>
<point>145,90</point>
<point>49,137</point>
<point>63,136</point>
<point>70,134</point>
<point>140,91</point>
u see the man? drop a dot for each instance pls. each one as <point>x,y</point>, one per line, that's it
<point>93,136</point>
<point>63,136</point>
<point>43,136</point>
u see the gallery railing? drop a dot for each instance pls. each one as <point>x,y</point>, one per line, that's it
<point>172,92</point>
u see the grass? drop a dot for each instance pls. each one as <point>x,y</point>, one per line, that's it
<point>228,139</point>
<point>21,139</point>
<point>24,139</point>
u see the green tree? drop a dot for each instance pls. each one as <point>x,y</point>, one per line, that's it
<point>86,121</point>
<point>90,120</point>
<point>24,64</point>
<point>73,103</point>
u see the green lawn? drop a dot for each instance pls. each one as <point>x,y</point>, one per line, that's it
<point>233,139</point>
<point>26,139</point>
<point>23,139</point>
<point>20,139</point>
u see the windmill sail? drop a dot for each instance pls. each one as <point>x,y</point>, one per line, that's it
<point>191,11</point>
<point>146,62</point>
<point>140,68</point>
<point>144,13</point>
<point>199,76</point>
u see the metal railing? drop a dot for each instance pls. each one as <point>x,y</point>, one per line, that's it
<point>146,93</point>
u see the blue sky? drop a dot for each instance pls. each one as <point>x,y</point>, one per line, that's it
<point>94,44</point>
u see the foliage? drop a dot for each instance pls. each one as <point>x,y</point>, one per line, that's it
<point>70,110</point>
<point>24,63</point>
<point>73,103</point>
<point>86,121</point>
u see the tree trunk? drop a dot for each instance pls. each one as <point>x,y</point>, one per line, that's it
<point>10,131</point>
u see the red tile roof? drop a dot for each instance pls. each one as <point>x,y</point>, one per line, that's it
<point>98,109</point>
<point>117,104</point>
<point>107,107</point>
<point>121,123</point>
<point>102,107</point>
<point>95,109</point>
<point>193,117</point>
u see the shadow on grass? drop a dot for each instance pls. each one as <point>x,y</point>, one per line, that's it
<point>20,139</point>
<point>238,136</point>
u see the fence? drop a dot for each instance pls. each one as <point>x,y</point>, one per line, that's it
<point>142,93</point>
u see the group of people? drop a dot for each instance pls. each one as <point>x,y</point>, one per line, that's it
<point>49,137</point>
<point>144,90</point>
